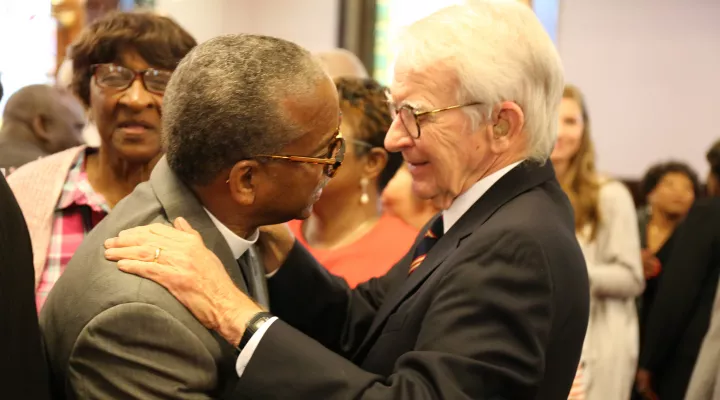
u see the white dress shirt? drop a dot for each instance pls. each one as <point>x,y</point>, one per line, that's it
<point>450,216</point>
<point>237,245</point>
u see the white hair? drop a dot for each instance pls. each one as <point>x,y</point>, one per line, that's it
<point>500,52</point>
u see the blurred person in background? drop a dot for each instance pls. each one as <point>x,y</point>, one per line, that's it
<point>670,188</point>
<point>606,226</point>
<point>342,63</point>
<point>121,66</point>
<point>39,120</point>
<point>678,321</point>
<point>398,199</point>
<point>347,232</point>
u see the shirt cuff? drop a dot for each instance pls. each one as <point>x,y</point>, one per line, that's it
<point>247,352</point>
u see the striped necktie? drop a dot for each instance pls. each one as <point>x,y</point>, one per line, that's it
<point>433,234</point>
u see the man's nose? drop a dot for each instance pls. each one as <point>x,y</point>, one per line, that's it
<point>397,137</point>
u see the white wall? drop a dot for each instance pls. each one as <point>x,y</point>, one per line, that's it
<point>311,23</point>
<point>650,70</point>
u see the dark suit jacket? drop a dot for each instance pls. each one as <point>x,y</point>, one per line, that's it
<point>23,373</point>
<point>498,310</point>
<point>112,335</point>
<point>680,314</point>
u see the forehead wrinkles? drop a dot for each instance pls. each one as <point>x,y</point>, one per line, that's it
<point>435,83</point>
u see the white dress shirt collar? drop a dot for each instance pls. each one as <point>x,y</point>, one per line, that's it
<point>463,202</point>
<point>237,245</point>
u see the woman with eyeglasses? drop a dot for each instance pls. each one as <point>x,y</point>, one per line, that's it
<point>121,65</point>
<point>348,233</point>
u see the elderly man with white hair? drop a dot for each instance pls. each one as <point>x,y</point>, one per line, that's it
<point>492,300</point>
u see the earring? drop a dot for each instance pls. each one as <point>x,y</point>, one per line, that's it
<point>364,197</point>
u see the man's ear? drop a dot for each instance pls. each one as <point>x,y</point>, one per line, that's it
<point>242,181</point>
<point>508,121</point>
<point>39,127</point>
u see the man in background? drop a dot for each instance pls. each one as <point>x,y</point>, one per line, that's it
<point>39,120</point>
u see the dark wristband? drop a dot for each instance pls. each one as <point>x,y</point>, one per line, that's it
<point>253,326</point>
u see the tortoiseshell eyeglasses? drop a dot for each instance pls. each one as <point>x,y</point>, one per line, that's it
<point>333,161</point>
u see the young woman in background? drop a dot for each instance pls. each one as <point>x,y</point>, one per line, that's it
<point>606,226</point>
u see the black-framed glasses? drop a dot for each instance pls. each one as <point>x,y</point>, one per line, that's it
<point>411,118</point>
<point>333,161</point>
<point>117,77</point>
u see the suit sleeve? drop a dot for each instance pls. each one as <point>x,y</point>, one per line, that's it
<point>323,306</point>
<point>619,271</point>
<point>22,365</point>
<point>680,285</point>
<point>478,340</point>
<point>138,350</point>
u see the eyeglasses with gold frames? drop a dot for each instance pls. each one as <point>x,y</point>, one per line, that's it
<point>335,156</point>
<point>333,161</point>
<point>410,117</point>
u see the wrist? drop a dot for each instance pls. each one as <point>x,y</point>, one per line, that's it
<point>253,326</point>
<point>233,319</point>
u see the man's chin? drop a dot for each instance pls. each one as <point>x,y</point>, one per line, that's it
<point>441,200</point>
<point>423,190</point>
<point>305,213</point>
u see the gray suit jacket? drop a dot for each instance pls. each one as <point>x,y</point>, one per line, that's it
<point>705,380</point>
<point>111,335</point>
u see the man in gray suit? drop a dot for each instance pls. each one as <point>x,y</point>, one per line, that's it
<point>244,117</point>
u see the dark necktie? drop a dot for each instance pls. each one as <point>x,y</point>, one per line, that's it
<point>433,234</point>
<point>254,275</point>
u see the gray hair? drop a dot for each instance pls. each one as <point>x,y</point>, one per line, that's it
<point>500,52</point>
<point>223,103</point>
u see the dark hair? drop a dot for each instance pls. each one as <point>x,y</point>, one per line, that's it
<point>656,172</point>
<point>713,157</point>
<point>158,40</point>
<point>223,103</point>
<point>363,102</point>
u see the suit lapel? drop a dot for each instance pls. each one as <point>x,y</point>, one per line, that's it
<point>520,179</point>
<point>178,201</point>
